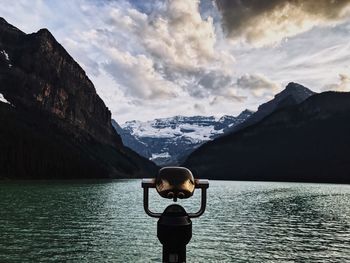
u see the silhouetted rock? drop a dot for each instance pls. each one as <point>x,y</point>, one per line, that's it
<point>293,94</point>
<point>305,142</point>
<point>57,117</point>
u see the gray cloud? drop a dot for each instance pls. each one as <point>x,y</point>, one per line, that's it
<point>199,107</point>
<point>215,80</point>
<point>261,22</point>
<point>138,79</point>
<point>219,100</point>
<point>257,84</point>
<point>162,54</point>
<point>342,85</point>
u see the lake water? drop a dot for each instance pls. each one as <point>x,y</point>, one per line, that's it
<point>105,222</point>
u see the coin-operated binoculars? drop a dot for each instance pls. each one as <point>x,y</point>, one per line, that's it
<point>174,228</point>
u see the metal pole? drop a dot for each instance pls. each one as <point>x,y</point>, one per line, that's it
<point>174,227</point>
<point>174,255</point>
<point>174,231</point>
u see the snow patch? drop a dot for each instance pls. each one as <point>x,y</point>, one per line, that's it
<point>160,155</point>
<point>3,99</point>
<point>4,53</point>
<point>167,129</point>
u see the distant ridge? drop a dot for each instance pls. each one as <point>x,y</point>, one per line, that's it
<point>306,142</point>
<point>293,94</point>
<point>168,141</point>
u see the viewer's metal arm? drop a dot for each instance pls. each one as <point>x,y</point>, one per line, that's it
<point>151,183</point>
<point>146,184</point>
<point>203,185</point>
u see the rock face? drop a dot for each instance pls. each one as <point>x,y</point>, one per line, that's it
<point>55,109</point>
<point>168,141</point>
<point>304,142</point>
<point>293,94</point>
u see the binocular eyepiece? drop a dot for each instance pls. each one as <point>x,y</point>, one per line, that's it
<point>175,182</point>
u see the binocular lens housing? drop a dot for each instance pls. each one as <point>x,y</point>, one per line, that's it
<point>175,182</point>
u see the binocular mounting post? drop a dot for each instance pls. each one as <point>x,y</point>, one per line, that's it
<point>174,227</point>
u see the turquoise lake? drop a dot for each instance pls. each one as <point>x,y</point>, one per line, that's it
<point>104,221</point>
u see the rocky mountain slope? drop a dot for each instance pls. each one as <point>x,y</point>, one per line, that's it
<point>167,141</point>
<point>293,94</point>
<point>55,125</point>
<point>304,142</point>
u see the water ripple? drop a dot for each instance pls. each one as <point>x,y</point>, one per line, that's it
<point>105,222</point>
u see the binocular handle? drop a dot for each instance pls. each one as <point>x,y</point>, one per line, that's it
<point>203,184</point>
<point>146,184</point>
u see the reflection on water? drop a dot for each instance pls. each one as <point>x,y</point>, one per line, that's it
<point>105,222</point>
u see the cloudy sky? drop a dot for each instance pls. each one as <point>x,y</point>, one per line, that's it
<point>156,58</point>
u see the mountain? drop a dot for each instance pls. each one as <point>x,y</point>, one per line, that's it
<point>55,125</point>
<point>167,141</point>
<point>131,141</point>
<point>306,142</point>
<point>293,94</point>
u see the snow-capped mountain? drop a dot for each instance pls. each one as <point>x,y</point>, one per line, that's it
<point>170,140</point>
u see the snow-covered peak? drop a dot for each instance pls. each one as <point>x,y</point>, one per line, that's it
<point>226,118</point>
<point>196,129</point>
<point>168,140</point>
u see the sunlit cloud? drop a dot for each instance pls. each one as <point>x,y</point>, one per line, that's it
<point>166,58</point>
<point>262,23</point>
